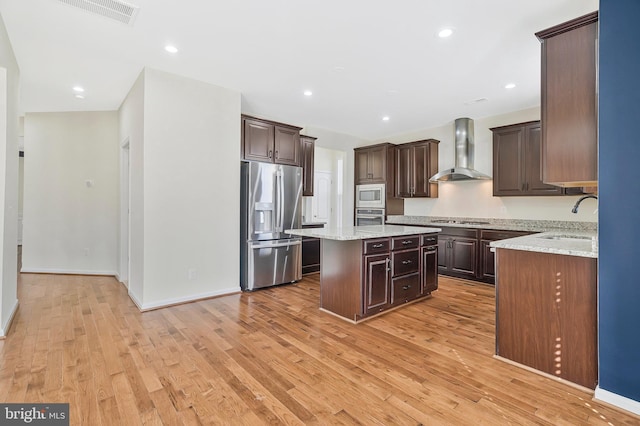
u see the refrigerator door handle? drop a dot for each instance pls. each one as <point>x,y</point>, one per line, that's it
<point>281,202</point>
<point>276,205</point>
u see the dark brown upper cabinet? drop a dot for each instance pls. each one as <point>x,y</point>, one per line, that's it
<point>516,161</point>
<point>307,146</point>
<point>416,162</point>
<point>569,104</point>
<point>372,163</point>
<point>270,142</point>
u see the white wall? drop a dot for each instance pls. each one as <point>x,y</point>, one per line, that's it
<point>345,144</point>
<point>70,225</point>
<point>475,198</point>
<point>9,105</point>
<point>131,122</point>
<point>190,195</point>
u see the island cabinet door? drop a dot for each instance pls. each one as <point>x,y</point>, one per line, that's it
<point>429,269</point>
<point>376,283</point>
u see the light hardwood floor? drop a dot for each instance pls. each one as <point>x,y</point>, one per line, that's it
<point>271,357</point>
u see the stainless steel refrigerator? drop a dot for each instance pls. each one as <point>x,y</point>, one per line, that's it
<point>270,202</point>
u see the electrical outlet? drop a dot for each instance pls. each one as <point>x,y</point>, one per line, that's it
<point>192,273</point>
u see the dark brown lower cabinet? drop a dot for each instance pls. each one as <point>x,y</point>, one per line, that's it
<point>429,265</point>
<point>311,251</point>
<point>361,278</point>
<point>487,268</point>
<point>546,313</point>
<point>310,255</point>
<point>376,283</point>
<point>405,270</point>
<point>466,252</point>
<point>457,252</point>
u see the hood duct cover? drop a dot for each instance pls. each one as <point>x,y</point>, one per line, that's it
<point>464,150</point>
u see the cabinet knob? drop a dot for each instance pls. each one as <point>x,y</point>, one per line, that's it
<point>404,243</point>
<point>407,262</point>
<point>270,153</point>
<point>388,268</point>
<point>276,153</point>
<point>406,287</point>
<point>377,245</point>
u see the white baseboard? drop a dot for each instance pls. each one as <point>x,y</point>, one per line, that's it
<point>65,271</point>
<point>619,401</point>
<point>177,301</point>
<point>135,300</point>
<point>121,281</point>
<point>5,327</point>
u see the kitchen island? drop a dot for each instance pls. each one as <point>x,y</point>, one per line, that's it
<point>546,304</point>
<point>368,270</point>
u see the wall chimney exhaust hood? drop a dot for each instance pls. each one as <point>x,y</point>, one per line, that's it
<point>464,150</point>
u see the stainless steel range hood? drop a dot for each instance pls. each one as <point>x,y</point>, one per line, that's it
<point>464,150</point>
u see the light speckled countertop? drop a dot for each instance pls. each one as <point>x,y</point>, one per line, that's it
<point>572,243</point>
<point>491,223</point>
<point>361,232</point>
<point>558,237</point>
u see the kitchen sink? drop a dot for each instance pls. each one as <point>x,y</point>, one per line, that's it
<point>460,222</point>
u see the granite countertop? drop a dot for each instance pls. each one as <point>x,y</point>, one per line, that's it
<point>491,223</point>
<point>558,237</point>
<point>361,232</point>
<point>572,243</point>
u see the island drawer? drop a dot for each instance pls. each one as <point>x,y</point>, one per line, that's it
<point>405,262</point>
<point>405,288</point>
<point>379,245</point>
<point>429,240</point>
<point>400,243</point>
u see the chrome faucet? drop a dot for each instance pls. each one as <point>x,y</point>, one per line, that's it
<point>575,208</point>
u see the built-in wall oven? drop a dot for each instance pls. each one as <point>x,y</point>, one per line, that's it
<point>370,196</point>
<point>369,217</point>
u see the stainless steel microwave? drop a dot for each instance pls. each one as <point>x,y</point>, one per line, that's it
<point>370,195</point>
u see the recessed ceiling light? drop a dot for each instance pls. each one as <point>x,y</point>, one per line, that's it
<point>80,96</point>
<point>308,93</point>
<point>385,118</point>
<point>78,89</point>
<point>171,49</point>
<point>510,86</point>
<point>445,33</point>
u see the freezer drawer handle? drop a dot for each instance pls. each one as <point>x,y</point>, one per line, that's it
<point>293,243</point>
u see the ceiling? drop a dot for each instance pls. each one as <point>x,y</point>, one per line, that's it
<point>361,59</point>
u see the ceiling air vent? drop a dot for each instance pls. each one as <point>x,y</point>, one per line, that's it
<point>112,9</point>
